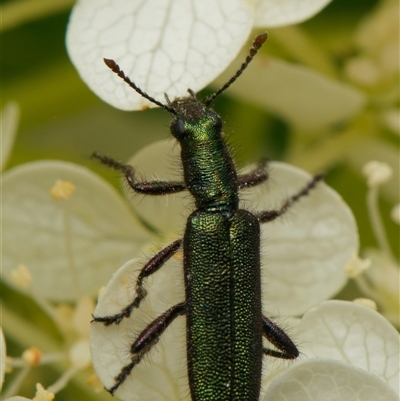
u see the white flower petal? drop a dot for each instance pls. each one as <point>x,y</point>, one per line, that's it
<point>323,379</point>
<point>306,99</point>
<point>161,375</point>
<point>163,46</point>
<point>65,243</point>
<point>272,14</point>
<point>354,334</point>
<point>306,250</point>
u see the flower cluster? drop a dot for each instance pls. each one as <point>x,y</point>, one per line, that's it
<point>69,231</point>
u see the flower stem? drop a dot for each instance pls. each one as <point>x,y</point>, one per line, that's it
<point>62,380</point>
<point>14,386</point>
<point>376,222</point>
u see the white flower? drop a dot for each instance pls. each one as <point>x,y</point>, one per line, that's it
<point>350,353</point>
<point>62,231</point>
<point>167,46</point>
<point>69,246</point>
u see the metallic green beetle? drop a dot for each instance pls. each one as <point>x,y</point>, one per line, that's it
<point>221,248</point>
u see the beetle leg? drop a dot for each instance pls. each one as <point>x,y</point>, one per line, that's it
<point>146,340</point>
<point>269,215</point>
<point>144,187</point>
<point>255,177</point>
<point>154,264</point>
<point>276,336</point>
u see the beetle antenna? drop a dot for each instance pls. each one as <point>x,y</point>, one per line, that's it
<point>112,65</point>
<point>258,41</point>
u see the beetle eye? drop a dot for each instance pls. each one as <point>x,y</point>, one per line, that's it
<point>178,128</point>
